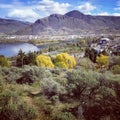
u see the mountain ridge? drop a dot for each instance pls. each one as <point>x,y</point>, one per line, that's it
<point>9,26</point>
<point>73,22</point>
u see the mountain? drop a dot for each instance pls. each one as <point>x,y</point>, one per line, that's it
<point>73,22</point>
<point>8,26</point>
<point>55,24</point>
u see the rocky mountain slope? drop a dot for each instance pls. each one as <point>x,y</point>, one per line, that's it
<point>8,26</point>
<point>73,22</point>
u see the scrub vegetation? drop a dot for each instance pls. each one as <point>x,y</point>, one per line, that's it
<point>61,86</point>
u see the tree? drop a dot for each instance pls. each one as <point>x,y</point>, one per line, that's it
<point>64,60</point>
<point>102,60</point>
<point>32,58</point>
<point>20,59</point>
<point>3,61</point>
<point>44,61</point>
<point>91,53</point>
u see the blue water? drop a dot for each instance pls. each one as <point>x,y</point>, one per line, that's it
<point>8,49</point>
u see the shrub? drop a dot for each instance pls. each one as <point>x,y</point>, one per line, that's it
<point>81,82</point>
<point>102,60</point>
<point>12,105</point>
<point>115,69</point>
<point>44,61</point>
<point>63,116</point>
<point>50,87</point>
<point>86,63</point>
<point>3,61</point>
<point>64,60</point>
<point>115,60</point>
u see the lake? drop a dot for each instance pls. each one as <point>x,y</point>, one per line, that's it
<point>11,49</point>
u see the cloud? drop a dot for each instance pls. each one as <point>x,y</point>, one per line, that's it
<point>50,6</point>
<point>104,14</point>
<point>21,14</point>
<point>108,14</point>
<point>116,14</point>
<point>86,7</point>
<point>33,10</point>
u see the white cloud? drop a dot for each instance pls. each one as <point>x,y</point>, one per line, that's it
<point>116,14</point>
<point>108,14</point>
<point>103,14</point>
<point>34,9</point>
<point>50,6</point>
<point>21,14</point>
<point>86,7</point>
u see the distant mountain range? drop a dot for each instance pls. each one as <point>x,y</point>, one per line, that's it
<point>73,22</point>
<point>8,26</point>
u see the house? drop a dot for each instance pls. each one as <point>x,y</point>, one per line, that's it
<point>101,45</point>
<point>104,41</point>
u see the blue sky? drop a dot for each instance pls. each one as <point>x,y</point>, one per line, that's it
<point>31,10</point>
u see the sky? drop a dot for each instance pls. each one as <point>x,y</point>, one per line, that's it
<point>31,10</point>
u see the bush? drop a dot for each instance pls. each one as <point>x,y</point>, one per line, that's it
<point>12,105</point>
<point>64,60</point>
<point>50,87</point>
<point>81,82</point>
<point>86,63</point>
<point>115,60</point>
<point>3,61</point>
<point>44,61</point>
<point>102,60</point>
<point>63,116</point>
<point>115,69</point>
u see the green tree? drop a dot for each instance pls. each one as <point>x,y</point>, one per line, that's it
<point>20,58</point>
<point>31,56</point>
<point>91,53</point>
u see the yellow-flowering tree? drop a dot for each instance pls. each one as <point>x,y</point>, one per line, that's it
<point>102,60</point>
<point>64,60</point>
<point>44,61</point>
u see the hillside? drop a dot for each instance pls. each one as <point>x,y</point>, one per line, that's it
<point>8,26</point>
<point>73,22</point>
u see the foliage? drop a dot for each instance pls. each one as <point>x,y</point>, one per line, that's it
<point>50,87</point>
<point>79,82</point>
<point>102,60</point>
<point>3,61</point>
<point>20,58</point>
<point>31,56</point>
<point>44,61</point>
<point>63,116</point>
<point>26,74</point>
<point>86,63</point>
<point>12,106</point>
<point>115,69</point>
<point>61,94</point>
<point>91,53</point>
<point>25,59</point>
<point>114,60</point>
<point>64,60</point>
